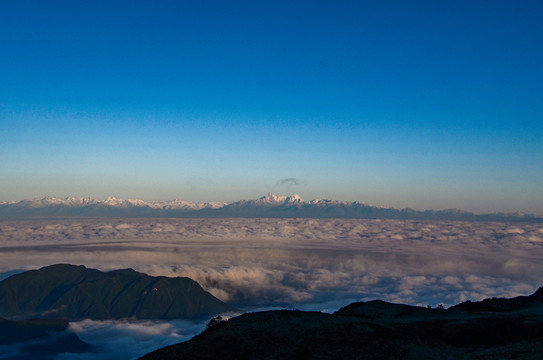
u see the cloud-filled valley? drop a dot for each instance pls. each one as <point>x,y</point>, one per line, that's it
<point>310,264</point>
<point>129,339</point>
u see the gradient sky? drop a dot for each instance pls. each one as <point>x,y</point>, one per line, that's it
<point>423,104</point>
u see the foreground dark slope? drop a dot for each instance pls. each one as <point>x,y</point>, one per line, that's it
<point>376,330</point>
<point>75,292</point>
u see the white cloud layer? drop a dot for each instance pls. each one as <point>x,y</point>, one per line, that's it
<point>298,263</point>
<point>264,262</point>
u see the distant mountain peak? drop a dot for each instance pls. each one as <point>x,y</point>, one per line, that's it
<point>272,197</point>
<point>269,199</point>
<point>295,198</point>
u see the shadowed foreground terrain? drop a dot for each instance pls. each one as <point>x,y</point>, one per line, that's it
<point>75,292</point>
<point>490,329</point>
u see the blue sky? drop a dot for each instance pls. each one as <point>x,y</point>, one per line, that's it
<point>423,104</point>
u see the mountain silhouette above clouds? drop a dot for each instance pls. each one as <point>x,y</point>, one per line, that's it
<point>269,206</point>
<point>73,292</point>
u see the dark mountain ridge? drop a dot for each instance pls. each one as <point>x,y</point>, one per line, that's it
<point>376,330</point>
<point>76,292</point>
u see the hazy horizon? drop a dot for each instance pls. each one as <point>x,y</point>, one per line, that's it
<point>221,202</point>
<point>416,204</point>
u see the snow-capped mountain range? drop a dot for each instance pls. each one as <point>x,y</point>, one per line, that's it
<point>71,202</point>
<point>267,206</point>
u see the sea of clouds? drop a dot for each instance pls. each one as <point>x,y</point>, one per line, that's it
<point>293,263</point>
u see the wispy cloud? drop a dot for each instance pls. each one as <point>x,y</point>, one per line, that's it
<point>288,181</point>
<point>129,339</point>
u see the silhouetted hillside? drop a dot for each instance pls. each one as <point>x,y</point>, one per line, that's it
<point>75,292</point>
<point>520,303</point>
<point>374,330</point>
